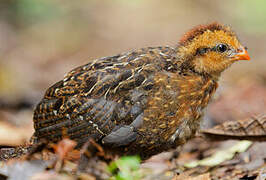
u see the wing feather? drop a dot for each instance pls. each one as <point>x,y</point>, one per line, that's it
<point>95,99</point>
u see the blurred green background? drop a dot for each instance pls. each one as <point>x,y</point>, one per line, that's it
<point>41,40</point>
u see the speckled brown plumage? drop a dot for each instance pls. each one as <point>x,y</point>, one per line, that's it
<point>140,102</point>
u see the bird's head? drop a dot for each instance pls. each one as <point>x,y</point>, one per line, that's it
<point>210,49</point>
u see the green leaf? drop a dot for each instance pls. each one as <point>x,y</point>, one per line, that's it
<point>125,168</point>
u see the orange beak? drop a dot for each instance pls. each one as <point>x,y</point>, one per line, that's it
<point>241,54</point>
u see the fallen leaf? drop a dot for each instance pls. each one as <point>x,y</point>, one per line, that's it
<point>221,156</point>
<point>64,147</point>
<point>249,129</point>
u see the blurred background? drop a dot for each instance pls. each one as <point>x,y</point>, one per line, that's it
<point>41,40</point>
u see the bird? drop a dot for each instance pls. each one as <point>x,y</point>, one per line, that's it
<point>140,102</point>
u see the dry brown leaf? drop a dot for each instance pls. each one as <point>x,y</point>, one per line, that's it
<point>64,147</point>
<point>253,129</point>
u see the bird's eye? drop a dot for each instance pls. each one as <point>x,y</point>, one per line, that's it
<point>221,48</point>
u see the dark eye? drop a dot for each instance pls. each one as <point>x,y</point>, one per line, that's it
<point>221,48</point>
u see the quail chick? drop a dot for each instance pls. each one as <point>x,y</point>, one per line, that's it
<point>140,102</point>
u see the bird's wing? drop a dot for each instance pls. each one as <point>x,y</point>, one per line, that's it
<point>103,99</point>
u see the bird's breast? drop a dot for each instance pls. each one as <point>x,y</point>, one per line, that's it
<point>175,106</point>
